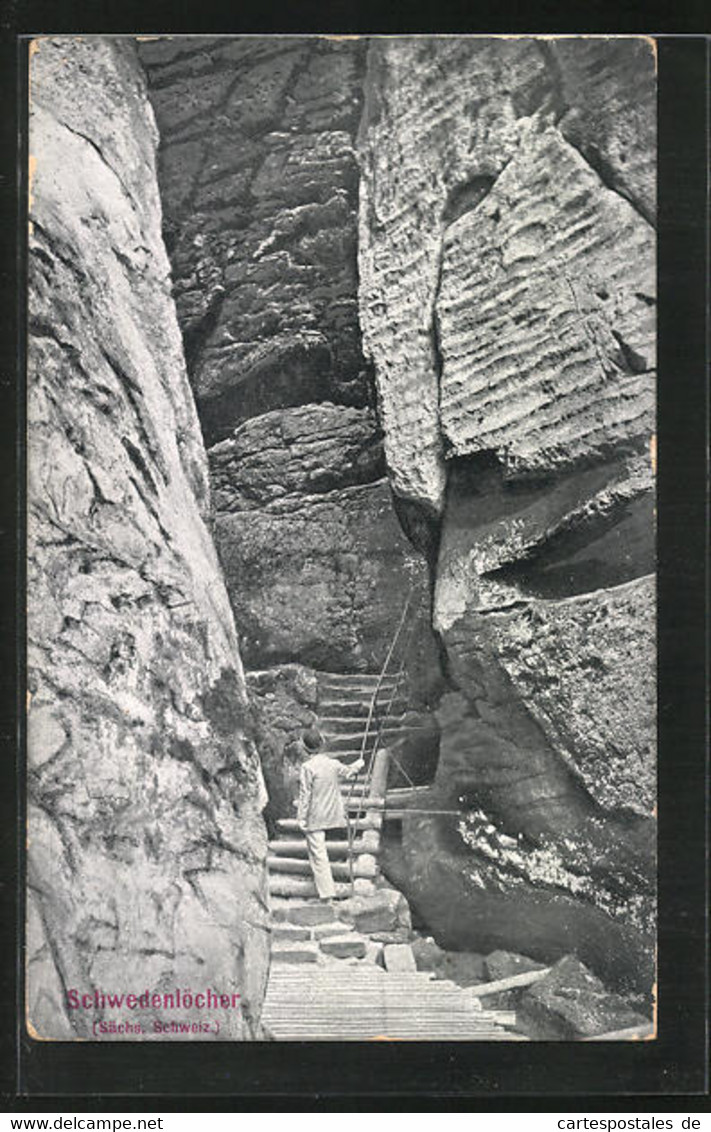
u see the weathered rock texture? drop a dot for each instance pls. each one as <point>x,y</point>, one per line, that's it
<point>285,703</point>
<point>507,300</point>
<point>146,843</point>
<point>490,168</point>
<point>569,1003</point>
<point>315,559</point>
<point>259,182</point>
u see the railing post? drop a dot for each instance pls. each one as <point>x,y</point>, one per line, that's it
<point>379,774</point>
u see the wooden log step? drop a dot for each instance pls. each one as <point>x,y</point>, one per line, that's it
<point>302,951</point>
<point>292,847</point>
<point>353,740</point>
<point>364,866</point>
<point>355,708</point>
<point>336,722</point>
<point>291,825</point>
<point>350,678</point>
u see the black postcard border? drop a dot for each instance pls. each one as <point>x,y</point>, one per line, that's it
<point>321,1076</point>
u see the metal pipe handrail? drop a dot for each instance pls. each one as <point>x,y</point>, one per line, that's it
<point>365,785</point>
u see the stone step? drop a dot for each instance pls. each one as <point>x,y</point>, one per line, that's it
<point>333,927</point>
<point>343,946</point>
<point>293,933</point>
<point>294,886</point>
<point>286,951</point>
<point>355,708</point>
<point>304,913</point>
<point>292,847</point>
<point>364,866</point>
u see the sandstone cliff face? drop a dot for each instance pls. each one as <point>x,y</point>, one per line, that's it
<point>503,280</point>
<point>259,186</point>
<point>507,301</point>
<point>146,842</point>
<point>486,175</point>
<point>259,182</point>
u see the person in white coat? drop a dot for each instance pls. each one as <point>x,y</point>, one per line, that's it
<point>320,807</point>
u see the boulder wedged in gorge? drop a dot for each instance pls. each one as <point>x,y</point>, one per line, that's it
<point>319,579</point>
<point>259,184</point>
<point>304,450</point>
<point>146,841</point>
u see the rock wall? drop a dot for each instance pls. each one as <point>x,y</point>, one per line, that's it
<point>146,842</point>
<point>506,255</point>
<point>489,168</point>
<point>259,182</point>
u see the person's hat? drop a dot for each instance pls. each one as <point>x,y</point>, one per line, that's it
<point>312,739</point>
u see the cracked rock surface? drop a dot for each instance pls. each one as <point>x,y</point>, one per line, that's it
<point>505,250</point>
<point>146,841</point>
<point>259,185</point>
<point>507,291</point>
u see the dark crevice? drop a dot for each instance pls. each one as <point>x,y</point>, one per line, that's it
<point>421,527</point>
<point>558,105</point>
<point>134,396</point>
<point>633,362</point>
<point>138,462</point>
<point>199,332</point>
<point>608,176</point>
<point>609,551</point>
<point>64,256</point>
<point>465,198</point>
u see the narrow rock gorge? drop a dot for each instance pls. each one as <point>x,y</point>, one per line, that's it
<point>320,326</point>
<point>259,181</point>
<point>481,212</point>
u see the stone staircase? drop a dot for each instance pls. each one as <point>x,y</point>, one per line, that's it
<point>328,981</point>
<point>345,703</point>
<point>354,866</point>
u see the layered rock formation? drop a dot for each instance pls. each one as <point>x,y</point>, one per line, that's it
<point>259,182</point>
<point>486,175</point>
<point>314,556</point>
<point>146,842</point>
<point>507,301</point>
<point>505,292</point>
